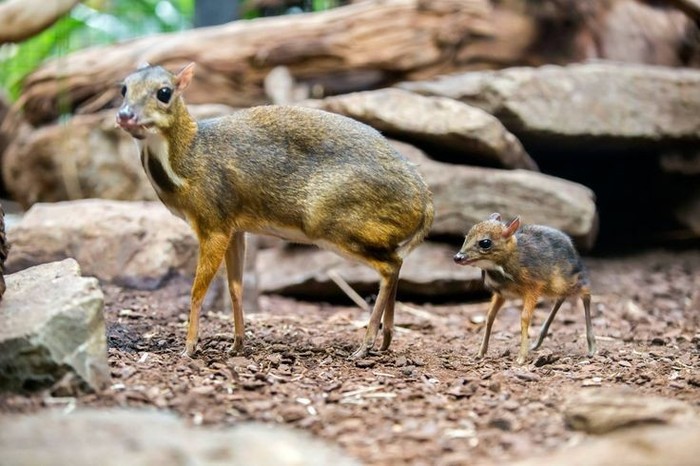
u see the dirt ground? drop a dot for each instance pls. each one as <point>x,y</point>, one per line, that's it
<point>428,400</point>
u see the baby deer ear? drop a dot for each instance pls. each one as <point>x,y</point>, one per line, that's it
<point>495,216</point>
<point>511,228</point>
<point>143,65</point>
<point>184,77</point>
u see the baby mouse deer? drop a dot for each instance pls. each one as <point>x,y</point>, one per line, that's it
<point>528,262</point>
<point>302,174</point>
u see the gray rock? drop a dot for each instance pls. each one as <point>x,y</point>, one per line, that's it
<point>584,101</point>
<point>303,272</point>
<point>642,446</point>
<point>446,125</point>
<point>602,411</point>
<point>51,324</point>
<point>465,195</point>
<point>86,157</point>
<point>118,437</point>
<point>629,428</point>
<point>137,244</point>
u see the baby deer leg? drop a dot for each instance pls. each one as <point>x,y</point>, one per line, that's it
<point>235,259</point>
<point>547,323</point>
<point>529,303</point>
<point>586,298</point>
<point>211,252</point>
<point>387,288</point>
<point>496,303</point>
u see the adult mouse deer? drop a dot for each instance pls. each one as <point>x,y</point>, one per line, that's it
<point>301,174</point>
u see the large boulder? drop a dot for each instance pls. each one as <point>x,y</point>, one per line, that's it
<point>464,195</point>
<point>583,101</point>
<point>136,244</point>
<point>87,437</point>
<point>441,124</point>
<point>51,325</point>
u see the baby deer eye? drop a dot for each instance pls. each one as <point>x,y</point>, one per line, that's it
<point>485,244</point>
<point>123,91</point>
<point>164,94</point>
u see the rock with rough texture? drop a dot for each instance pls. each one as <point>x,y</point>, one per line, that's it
<point>602,411</point>
<point>465,195</point>
<point>135,244</point>
<point>51,325</point>
<point>86,157</point>
<point>150,438</point>
<point>643,446</point>
<point>584,101</point>
<point>445,125</point>
<point>428,272</point>
<point>631,429</point>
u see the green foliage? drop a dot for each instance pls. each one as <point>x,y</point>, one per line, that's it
<point>90,23</point>
<point>289,7</point>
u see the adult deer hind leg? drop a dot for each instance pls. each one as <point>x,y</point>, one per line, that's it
<point>235,260</point>
<point>383,307</point>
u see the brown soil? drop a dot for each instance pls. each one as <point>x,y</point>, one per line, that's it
<point>426,401</point>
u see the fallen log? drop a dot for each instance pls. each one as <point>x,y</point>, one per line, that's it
<point>21,19</point>
<point>360,46</point>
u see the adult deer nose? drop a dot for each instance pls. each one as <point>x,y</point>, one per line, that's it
<point>125,114</point>
<point>459,257</point>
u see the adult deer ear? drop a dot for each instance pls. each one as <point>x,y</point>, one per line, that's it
<point>184,77</point>
<point>511,228</point>
<point>495,216</point>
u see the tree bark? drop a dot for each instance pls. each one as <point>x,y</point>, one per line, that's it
<point>360,46</point>
<point>21,19</point>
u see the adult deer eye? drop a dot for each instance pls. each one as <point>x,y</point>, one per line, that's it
<point>123,91</point>
<point>485,244</point>
<point>164,94</point>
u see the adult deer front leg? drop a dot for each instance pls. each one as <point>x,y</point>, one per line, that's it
<point>211,252</point>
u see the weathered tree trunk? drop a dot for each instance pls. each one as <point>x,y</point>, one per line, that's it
<point>21,19</point>
<point>359,46</point>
